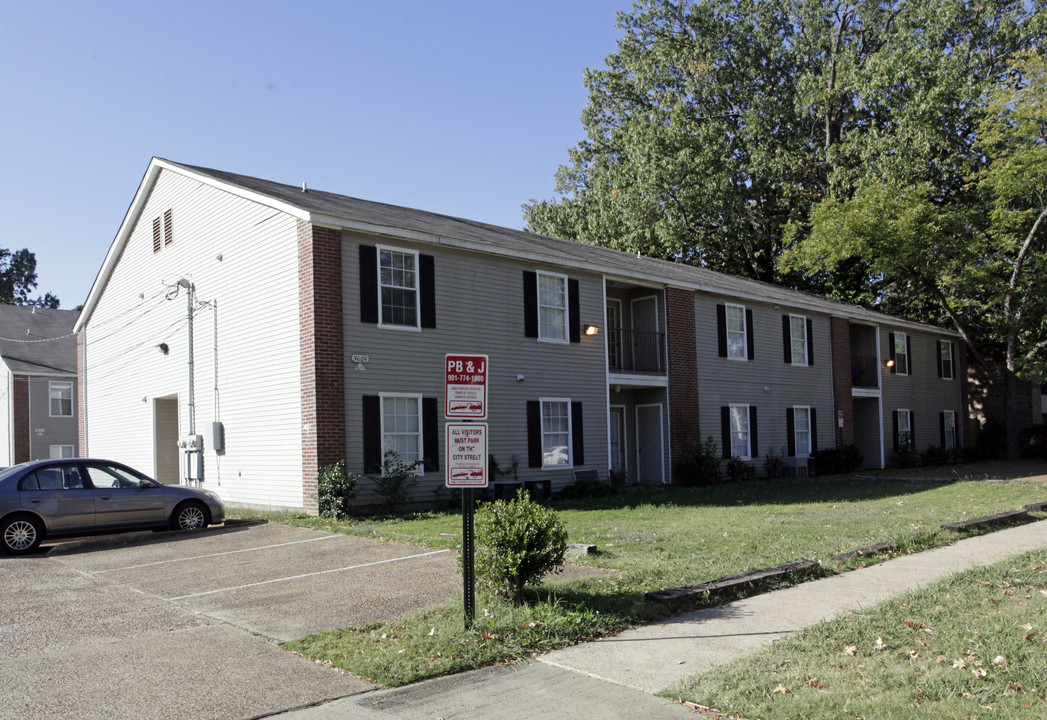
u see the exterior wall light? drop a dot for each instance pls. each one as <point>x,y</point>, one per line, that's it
<point>889,364</point>
<point>591,330</point>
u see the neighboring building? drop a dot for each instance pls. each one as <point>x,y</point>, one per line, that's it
<point>321,322</point>
<point>38,389</point>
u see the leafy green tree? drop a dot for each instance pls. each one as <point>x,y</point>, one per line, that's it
<point>978,261</point>
<point>718,124</point>
<point>18,280</point>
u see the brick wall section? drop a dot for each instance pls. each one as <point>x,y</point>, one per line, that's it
<point>20,409</point>
<point>682,348</point>
<point>81,396</point>
<point>322,353</point>
<point>843,400</point>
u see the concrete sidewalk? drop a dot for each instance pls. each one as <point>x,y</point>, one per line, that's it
<point>616,677</point>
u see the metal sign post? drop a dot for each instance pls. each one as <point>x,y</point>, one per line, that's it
<point>465,393</point>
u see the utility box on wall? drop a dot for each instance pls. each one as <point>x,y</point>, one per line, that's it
<point>216,432</point>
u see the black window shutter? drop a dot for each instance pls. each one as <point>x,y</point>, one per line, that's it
<point>941,427</point>
<point>369,284</point>
<point>810,342</point>
<point>530,298</point>
<point>431,433</point>
<point>897,435</point>
<point>894,364</point>
<point>908,355</point>
<point>721,329</point>
<point>577,435</point>
<point>725,431</point>
<point>534,433</point>
<point>814,428</point>
<point>427,289</point>
<point>939,358</point>
<point>372,406</point>
<point>787,339</point>
<point>754,442</point>
<point>749,334</point>
<point>573,311</point>
<point>790,430</point>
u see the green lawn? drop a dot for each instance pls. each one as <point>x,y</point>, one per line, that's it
<point>654,539</point>
<point>971,646</point>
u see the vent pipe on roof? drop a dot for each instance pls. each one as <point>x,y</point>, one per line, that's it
<point>303,186</point>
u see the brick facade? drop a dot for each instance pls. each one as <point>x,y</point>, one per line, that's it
<point>81,396</point>
<point>20,410</point>
<point>843,400</point>
<point>322,353</point>
<point>682,352</point>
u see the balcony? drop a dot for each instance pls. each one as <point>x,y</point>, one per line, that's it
<point>635,351</point>
<point>865,372</point>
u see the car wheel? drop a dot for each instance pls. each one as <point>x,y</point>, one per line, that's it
<point>190,516</point>
<point>20,535</point>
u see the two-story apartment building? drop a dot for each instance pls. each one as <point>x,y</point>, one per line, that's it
<point>292,328</point>
<point>38,384</point>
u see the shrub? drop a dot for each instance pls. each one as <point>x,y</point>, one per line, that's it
<point>773,466</point>
<point>905,456</point>
<point>700,465</point>
<point>335,489</point>
<point>739,470</point>
<point>517,543</point>
<point>586,488</point>
<point>396,480</point>
<point>833,461</point>
<point>933,456</point>
<point>619,479</point>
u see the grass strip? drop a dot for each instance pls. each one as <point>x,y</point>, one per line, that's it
<point>973,645</point>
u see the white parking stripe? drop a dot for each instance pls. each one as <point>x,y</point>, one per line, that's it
<point>218,554</point>
<point>312,574</point>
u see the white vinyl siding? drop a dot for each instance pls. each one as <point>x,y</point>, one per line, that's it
<point>556,432</point>
<point>398,287</point>
<point>552,307</point>
<point>736,335</point>
<point>243,259</point>
<point>740,432</point>
<point>798,339</point>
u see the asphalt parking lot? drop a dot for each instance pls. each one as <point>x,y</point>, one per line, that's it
<point>158,626</point>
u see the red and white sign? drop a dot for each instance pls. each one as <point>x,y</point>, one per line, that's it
<point>466,387</point>
<point>466,455</point>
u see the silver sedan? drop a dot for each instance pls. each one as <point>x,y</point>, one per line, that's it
<point>49,498</point>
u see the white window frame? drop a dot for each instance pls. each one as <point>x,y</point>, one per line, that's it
<point>901,354</point>
<point>566,402</point>
<point>942,345</point>
<point>805,410</point>
<point>738,430</point>
<point>416,289</point>
<point>56,452</point>
<point>417,397</point>
<point>950,429</point>
<point>53,385</point>
<point>565,336</point>
<point>801,359</point>
<point>728,332</point>
<point>904,434</point>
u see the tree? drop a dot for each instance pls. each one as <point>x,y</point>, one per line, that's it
<point>718,124</point>
<point>18,280</point>
<point>979,262</point>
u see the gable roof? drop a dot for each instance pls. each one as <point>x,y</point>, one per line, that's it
<point>38,340</point>
<point>341,211</point>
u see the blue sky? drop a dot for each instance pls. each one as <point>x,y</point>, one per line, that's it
<point>465,108</point>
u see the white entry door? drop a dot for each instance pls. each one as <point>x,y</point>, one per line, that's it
<point>650,450</point>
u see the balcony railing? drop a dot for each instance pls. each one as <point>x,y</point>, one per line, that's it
<point>865,372</point>
<point>635,351</point>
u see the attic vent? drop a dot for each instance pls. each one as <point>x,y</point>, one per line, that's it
<point>156,235</point>
<point>168,228</point>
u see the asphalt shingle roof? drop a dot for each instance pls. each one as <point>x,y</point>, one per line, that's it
<point>37,340</point>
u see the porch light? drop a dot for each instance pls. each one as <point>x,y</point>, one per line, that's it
<point>889,364</point>
<point>591,330</point>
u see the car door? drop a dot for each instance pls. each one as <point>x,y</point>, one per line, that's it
<point>122,498</point>
<point>58,494</point>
